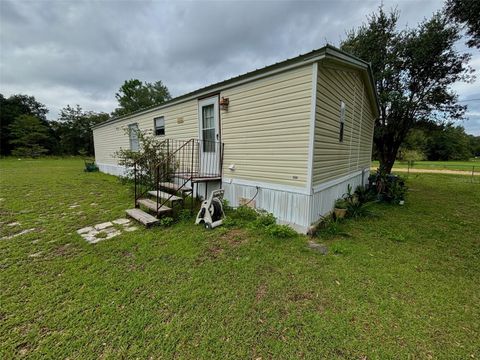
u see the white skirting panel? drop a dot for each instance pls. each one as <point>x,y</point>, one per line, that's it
<point>324,198</point>
<point>111,169</point>
<point>288,207</point>
<point>203,188</point>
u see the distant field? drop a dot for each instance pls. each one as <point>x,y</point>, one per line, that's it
<point>438,165</point>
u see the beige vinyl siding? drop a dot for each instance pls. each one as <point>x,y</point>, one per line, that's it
<point>266,128</point>
<point>332,158</point>
<point>111,137</point>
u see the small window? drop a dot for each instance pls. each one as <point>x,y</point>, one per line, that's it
<point>159,124</point>
<point>342,120</point>
<point>133,137</point>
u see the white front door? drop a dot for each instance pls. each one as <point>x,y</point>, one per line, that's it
<point>209,145</point>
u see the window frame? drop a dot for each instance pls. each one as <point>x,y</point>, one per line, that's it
<point>159,128</point>
<point>343,109</point>
<point>208,144</point>
<point>131,138</point>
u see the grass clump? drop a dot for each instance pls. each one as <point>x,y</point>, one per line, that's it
<point>166,221</point>
<point>262,221</point>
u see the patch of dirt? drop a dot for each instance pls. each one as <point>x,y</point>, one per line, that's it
<point>217,247</point>
<point>298,297</point>
<point>261,292</point>
<point>64,250</point>
<point>23,349</point>
<point>214,251</point>
<point>235,237</point>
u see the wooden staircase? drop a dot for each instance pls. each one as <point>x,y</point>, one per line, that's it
<point>161,188</point>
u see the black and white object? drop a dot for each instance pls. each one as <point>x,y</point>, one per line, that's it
<point>211,213</point>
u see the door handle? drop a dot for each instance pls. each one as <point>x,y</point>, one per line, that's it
<point>217,136</point>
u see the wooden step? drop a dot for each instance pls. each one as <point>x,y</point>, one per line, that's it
<point>165,195</point>
<point>152,205</point>
<point>143,217</point>
<point>174,187</point>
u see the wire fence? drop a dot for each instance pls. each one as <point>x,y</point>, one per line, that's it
<point>470,171</point>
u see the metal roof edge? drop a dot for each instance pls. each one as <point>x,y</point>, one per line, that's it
<point>312,56</point>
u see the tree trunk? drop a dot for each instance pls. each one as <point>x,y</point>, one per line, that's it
<point>387,154</point>
<point>387,164</point>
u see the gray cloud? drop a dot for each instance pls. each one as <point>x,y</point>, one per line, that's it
<point>66,52</point>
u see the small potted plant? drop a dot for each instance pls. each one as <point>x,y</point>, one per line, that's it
<point>340,208</point>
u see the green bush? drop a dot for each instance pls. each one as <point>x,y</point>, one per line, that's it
<point>152,152</point>
<point>331,227</point>
<point>184,215</point>
<point>356,209</point>
<point>166,221</point>
<point>246,213</point>
<point>389,188</point>
<point>356,203</point>
<point>341,204</point>
<point>263,221</point>
<point>364,194</point>
<point>280,231</point>
<point>231,222</point>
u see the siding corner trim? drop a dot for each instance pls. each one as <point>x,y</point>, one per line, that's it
<point>311,141</point>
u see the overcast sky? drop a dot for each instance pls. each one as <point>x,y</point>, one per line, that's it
<point>80,52</point>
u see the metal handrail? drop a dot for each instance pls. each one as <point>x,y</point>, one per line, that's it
<point>166,161</point>
<point>185,160</point>
<point>139,194</point>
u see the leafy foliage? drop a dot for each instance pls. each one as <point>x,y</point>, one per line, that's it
<point>280,231</point>
<point>341,204</point>
<point>153,151</point>
<point>413,70</point>
<point>166,221</point>
<point>134,95</point>
<point>29,136</point>
<point>439,142</point>
<point>466,12</point>
<point>10,109</point>
<point>389,188</point>
<point>263,221</point>
<point>450,143</point>
<point>331,227</point>
<point>74,130</point>
<point>357,203</point>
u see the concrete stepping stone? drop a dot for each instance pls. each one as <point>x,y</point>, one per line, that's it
<point>103,226</point>
<point>121,221</point>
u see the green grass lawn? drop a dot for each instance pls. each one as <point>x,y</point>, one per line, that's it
<point>403,284</point>
<point>438,165</point>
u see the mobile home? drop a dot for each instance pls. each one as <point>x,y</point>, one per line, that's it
<point>291,136</point>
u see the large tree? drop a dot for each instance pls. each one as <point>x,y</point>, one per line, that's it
<point>466,13</point>
<point>414,70</point>
<point>13,107</point>
<point>74,130</point>
<point>449,143</point>
<point>29,136</point>
<point>135,95</point>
